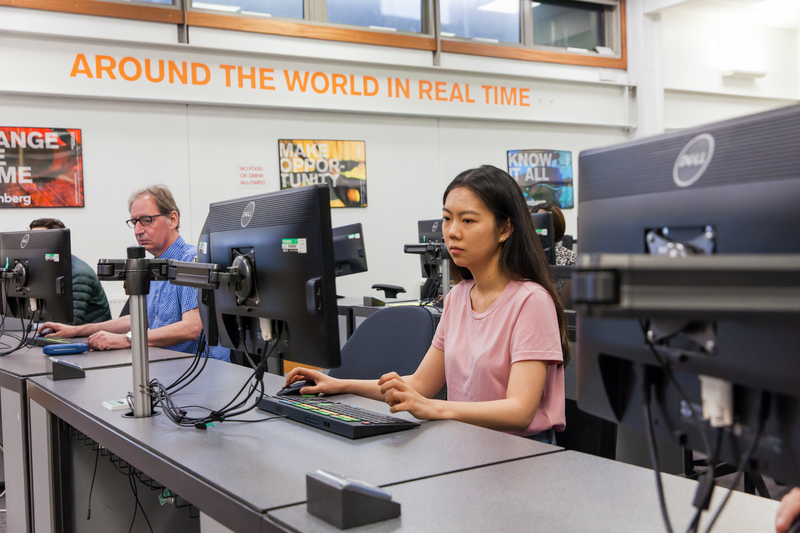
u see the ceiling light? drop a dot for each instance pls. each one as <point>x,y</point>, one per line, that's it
<point>783,6</point>
<point>216,7</point>
<point>508,7</point>
<point>534,4</point>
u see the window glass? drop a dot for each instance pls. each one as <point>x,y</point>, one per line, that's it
<point>403,15</point>
<point>493,20</point>
<point>275,8</point>
<point>568,24</point>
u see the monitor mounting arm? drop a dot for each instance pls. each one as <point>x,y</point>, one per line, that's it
<point>438,252</point>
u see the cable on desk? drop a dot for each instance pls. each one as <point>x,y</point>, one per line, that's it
<point>24,341</point>
<point>163,396</point>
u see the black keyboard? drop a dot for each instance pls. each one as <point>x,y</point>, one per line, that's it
<point>345,420</point>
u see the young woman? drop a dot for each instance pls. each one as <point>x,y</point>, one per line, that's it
<point>502,340</point>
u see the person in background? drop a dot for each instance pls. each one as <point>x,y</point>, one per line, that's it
<point>788,519</point>
<point>502,343</point>
<point>564,256</point>
<point>172,314</point>
<point>89,302</point>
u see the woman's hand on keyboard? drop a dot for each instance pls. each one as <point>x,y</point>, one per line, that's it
<point>403,397</point>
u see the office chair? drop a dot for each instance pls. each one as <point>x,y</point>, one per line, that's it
<point>126,309</point>
<point>568,242</point>
<point>394,339</point>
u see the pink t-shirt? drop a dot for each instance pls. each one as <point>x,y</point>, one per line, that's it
<point>479,348</point>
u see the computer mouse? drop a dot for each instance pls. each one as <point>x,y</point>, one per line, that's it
<point>294,388</point>
<point>46,331</point>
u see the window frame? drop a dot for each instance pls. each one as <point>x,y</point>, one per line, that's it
<point>313,27</point>
<point>144,11</point>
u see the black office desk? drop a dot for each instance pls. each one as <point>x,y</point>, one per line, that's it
<point>237,472</point>
<point>566,491</point>
<point>15,369</point>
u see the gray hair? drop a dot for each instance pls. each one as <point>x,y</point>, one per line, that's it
<point>163,198</point>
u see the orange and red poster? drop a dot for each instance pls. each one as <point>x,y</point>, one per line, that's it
<point>40,167</point>
<point>342,165</point>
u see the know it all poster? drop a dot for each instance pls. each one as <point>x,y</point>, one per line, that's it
<point>545,176</point>
<point>342,165</point>
<point>40,167</point>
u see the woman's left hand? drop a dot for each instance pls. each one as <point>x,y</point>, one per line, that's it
<point>403,397</point>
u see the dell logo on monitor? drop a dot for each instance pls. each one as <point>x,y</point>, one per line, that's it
<point>25,240</point>
<point>693,160</point>
<point>435,226</point>
<point>247,215</point>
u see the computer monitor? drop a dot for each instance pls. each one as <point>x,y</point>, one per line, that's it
<point>430,231</point>
<point>41,263</point>
<point>282,245</point>
<point>544,229</point>
<point>702,193</point>
<point>349,253</point>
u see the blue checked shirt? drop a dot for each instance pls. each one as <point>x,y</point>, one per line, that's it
<point>166,302</point>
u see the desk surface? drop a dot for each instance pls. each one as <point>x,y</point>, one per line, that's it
<point>29,362</point>
<point>261,466</point>
<point>566,491</point>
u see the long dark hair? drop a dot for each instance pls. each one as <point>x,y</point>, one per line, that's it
<point>522,256</point>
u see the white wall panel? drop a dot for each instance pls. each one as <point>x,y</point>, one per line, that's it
<point>686,109</point>
<point>696,49</point>
<point>126,146</point>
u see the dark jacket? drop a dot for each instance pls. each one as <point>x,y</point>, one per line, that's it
<point>89,303</point>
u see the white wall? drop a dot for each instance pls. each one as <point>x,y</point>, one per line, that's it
<point>466,144</point>
<point>695,51</point>
<point>126,146</point>
<point>195,150</point>
<point>402,179</point>
<point>686,109</point>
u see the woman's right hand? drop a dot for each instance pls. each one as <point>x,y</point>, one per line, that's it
<point>59,330</point>
<point>323,383</point>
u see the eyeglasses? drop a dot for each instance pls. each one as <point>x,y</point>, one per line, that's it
<point>144,221</point>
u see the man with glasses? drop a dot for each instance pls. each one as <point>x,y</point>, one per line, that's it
<point>172,313</point>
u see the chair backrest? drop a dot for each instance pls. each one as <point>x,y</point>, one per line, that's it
<point>394,339</point>
<point>568,242</point>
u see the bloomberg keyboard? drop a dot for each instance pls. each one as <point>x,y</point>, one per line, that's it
<point>345,420</point>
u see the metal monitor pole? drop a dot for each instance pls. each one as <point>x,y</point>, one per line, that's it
<point>445,277</point>
<point>137,273</point>
<point>137,286</point>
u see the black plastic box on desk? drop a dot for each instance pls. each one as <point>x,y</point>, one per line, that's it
<point>343,507</point>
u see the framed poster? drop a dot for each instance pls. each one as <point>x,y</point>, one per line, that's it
<point>40,167</point>
<point>342,165</point>
<point>545,176</point>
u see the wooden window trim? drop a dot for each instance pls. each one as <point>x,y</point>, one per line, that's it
<point>165,14</point>
<point>308,31</point>
<point>544,56</point>
<point>322,32</point>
